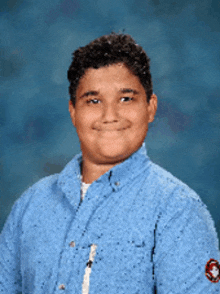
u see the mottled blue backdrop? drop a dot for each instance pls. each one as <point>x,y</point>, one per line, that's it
<point>182,39</point>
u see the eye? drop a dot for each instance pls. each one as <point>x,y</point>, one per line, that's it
<point>93,101</point>
<point>126,99</point>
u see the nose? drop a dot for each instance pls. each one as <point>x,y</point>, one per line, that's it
<point>110,113</point>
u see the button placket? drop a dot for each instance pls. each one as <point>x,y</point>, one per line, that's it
<point>77,246</point>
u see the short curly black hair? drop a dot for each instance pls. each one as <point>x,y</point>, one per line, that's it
<point>106,50</point>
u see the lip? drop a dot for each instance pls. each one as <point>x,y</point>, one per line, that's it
<point>111,130</point>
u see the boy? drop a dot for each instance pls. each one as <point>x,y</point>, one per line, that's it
<point>112,221</point>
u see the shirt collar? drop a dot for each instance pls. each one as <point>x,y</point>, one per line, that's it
<point>121,174</point>
<point>69,180</point>
<point>70,177</point>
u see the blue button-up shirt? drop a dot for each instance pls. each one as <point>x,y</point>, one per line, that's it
<point>151,232</point>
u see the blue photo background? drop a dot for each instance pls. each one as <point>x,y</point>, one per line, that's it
<point>182,38</point>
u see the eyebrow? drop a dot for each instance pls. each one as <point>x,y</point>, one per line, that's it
<point>89,93</point>
<point>128,90</point>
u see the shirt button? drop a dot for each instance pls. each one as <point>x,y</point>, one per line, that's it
<point>62,287</point>
<point>117,183</point>
<point>72,244</point>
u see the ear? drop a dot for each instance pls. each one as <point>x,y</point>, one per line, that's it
<point>152,108</point>
<point>72,112</point>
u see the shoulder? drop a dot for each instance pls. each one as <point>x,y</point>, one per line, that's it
<point>41,191</point>
<point>27,203</point>
<point>179,206</point>
<point>176,200</point>
<point>170,186</point>
<point>37,190</point>
<point>45,194</point>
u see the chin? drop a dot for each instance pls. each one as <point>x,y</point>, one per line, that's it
<point>114,155</point>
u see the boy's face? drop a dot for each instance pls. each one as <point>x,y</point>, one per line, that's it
<point>111,114</point>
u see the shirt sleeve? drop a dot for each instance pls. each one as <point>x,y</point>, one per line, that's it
<point>10,272</point>
<point>185,241</point>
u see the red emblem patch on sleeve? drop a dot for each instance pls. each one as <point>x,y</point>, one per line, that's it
<point>212,270</point>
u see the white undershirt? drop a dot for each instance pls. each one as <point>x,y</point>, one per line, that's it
<point>84,188</point>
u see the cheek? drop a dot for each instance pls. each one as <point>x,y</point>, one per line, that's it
<point>83,119</point>
<point>139,117</point>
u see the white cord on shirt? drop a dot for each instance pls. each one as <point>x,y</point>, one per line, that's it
<point>85,284</point>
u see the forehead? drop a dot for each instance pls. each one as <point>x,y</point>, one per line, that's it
<point>109,78</point>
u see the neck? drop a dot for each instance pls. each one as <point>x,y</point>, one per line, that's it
<point>92,171</point>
